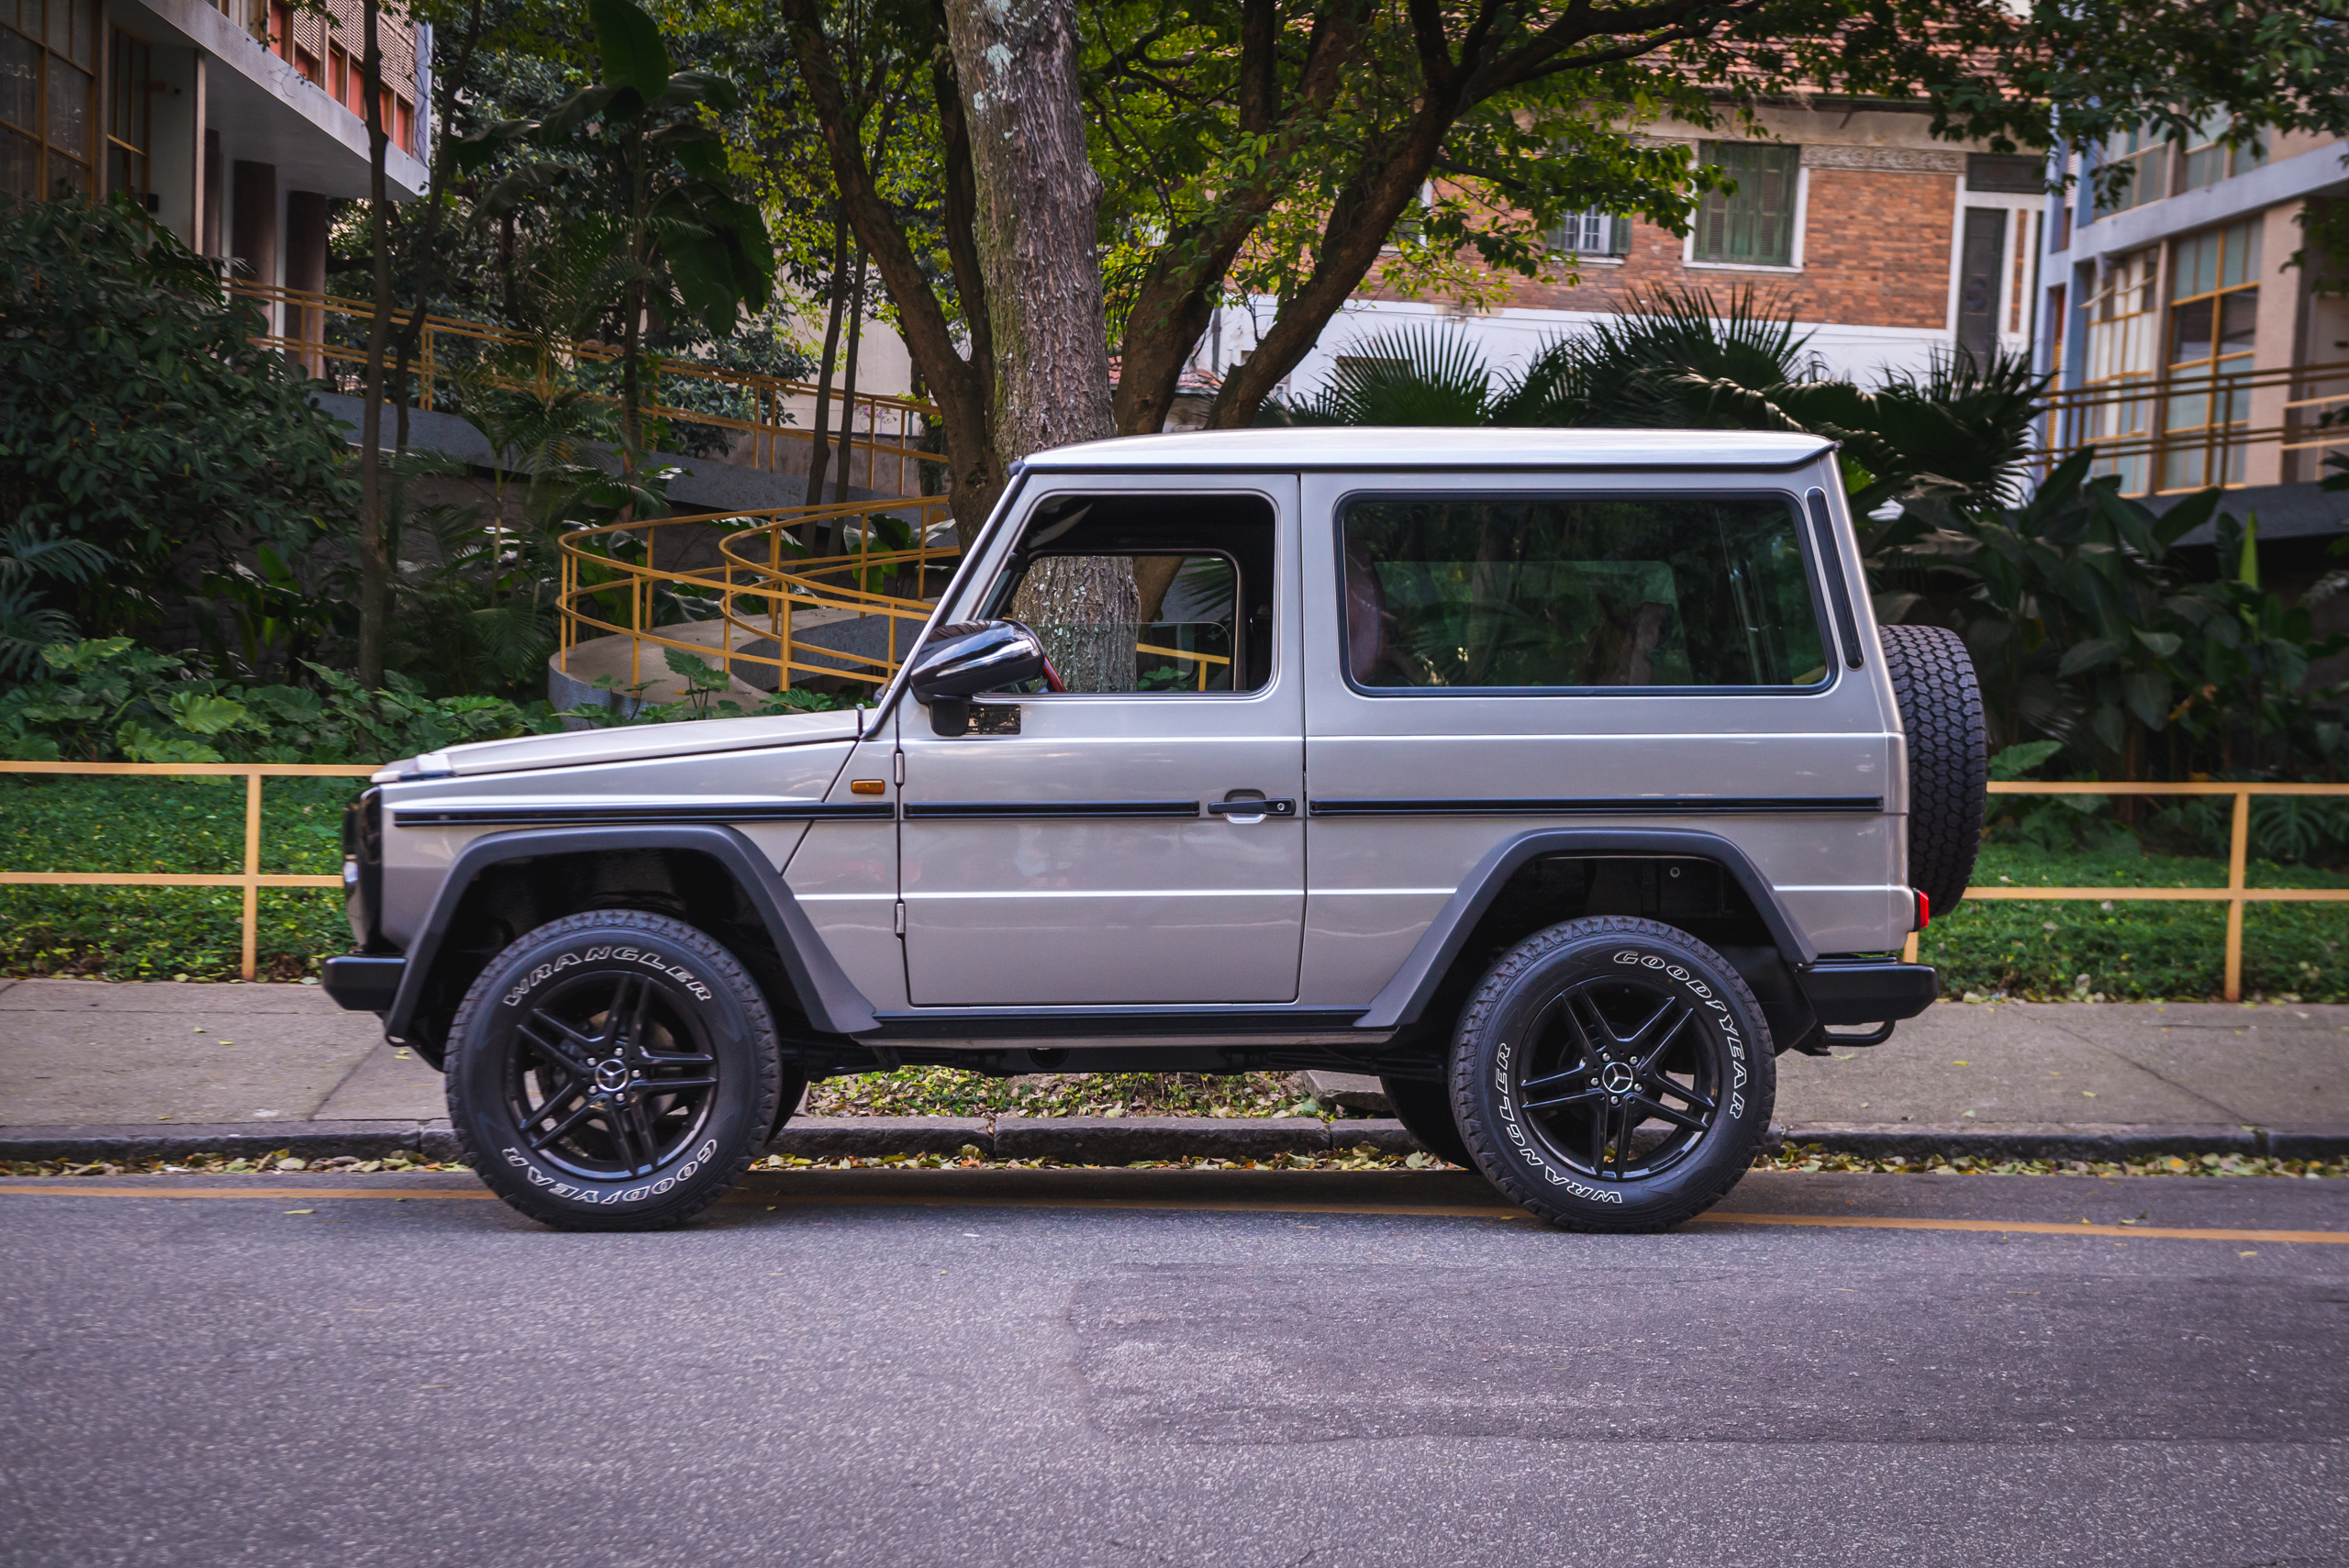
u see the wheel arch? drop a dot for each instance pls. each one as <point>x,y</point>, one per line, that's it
<point>1436,962</point>
<point>683,869</point>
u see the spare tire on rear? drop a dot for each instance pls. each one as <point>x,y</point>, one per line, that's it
<point>1949,756</point>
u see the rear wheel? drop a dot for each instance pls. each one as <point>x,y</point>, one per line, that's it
<point>1425,1111</point>
<point>614,1071</point>
<point>1612,1074</point>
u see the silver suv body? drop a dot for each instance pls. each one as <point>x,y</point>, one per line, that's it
<point>1409,697</point>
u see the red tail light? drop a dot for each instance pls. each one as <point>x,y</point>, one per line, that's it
<point>1924,911</point>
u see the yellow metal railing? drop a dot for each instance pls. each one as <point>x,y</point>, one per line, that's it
<point>883,456</point>
<point>2236,894</point>
<point>251,879</point>
<point>761,581</point>
<point>2179,430</point>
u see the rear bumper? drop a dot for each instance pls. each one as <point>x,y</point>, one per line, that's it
<point>1868,991</point>
<point>363,984</point>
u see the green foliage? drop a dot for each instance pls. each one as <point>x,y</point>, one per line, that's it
<point>186,825</point>
<point>138,418</point>
<point>111,701</point>
<point>1685,359</point>
<point>646,216</point>
<point>2132,950</point>
<point>28,553</point>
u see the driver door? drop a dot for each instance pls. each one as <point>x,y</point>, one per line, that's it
<point>1133,847</point>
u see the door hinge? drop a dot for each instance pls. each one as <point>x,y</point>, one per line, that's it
<point>901,916</point>
<point>899,763</point>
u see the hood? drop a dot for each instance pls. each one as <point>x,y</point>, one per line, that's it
<point>629,743</point>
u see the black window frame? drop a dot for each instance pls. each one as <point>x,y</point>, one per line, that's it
<point>995,599</point>
<point>1814,577</point>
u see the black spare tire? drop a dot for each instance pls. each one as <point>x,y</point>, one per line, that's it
<point>1949,756</point>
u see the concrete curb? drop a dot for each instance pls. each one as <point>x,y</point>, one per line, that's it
<point>2022,1141</point>
<point>1118,1140</point>
<point>165,1141</point>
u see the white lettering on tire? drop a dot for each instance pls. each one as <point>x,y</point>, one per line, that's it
<point>538,1178</point>
<point>540,973</point>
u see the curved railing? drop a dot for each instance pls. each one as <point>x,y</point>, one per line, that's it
<point>765,586</point>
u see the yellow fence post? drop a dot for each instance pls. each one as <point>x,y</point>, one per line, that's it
<point>2238,847</point>
<point>252,873</point>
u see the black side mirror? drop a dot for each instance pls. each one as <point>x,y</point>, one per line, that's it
<point>961,661</point>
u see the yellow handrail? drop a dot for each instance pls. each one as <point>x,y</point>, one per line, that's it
<point>2236,894</point>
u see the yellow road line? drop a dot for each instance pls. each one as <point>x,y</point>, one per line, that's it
<point>2026,1226</point>
<point>1234,1205</point>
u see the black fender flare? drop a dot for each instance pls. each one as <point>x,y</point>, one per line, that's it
<point>1406,996</point>
<point>830,999</point>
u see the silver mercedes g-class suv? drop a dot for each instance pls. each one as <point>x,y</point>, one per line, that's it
<point>1560,778</point>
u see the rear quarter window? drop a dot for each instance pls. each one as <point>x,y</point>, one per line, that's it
<point>1546,592</point>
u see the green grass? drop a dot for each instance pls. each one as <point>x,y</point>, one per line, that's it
<point>2131,952</point>
<point>186,825</point>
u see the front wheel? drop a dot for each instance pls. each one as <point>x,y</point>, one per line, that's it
<point>614,1071</point>
<point>1612,1074</point>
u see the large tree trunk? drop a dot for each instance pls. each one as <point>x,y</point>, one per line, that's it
<point>819,448</point>
<point>374,564</point>
<point>848,379</point>
<point>1015,63</point>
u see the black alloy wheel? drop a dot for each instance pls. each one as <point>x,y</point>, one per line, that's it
<point>614,1070</point>
<point>1613,1074</point>
<point>608,1078</point>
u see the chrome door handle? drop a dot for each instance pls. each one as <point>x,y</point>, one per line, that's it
<point>1254,810</point>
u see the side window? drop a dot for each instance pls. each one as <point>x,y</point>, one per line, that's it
<point>1135,593</point>
<point>1538,593</point>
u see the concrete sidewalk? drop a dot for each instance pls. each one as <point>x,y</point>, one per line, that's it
<point>140,1070</point>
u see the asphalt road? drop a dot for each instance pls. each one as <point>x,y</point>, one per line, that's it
<point>1141,1367</point>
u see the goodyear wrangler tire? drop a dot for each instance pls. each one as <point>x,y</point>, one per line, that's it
<point>1612,1074</point>
<point>1949,756</point>
<point>614,1071</point>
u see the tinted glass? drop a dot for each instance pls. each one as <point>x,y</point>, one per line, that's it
<point>1550,592</point>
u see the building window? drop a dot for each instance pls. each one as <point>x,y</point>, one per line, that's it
<point>2147,157</point>
<point>130,116</point>
<point>2213,325</point>
<point>2117,416</point>
<point>1986,172</point>
<point>2209,160</point>
<point>1753,226</point>
<point>1590,234</point>
<point>49,61</point>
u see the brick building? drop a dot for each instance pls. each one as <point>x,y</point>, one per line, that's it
<point>1888,246</point>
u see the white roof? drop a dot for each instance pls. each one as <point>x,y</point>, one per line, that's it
<point>1423,446</point>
